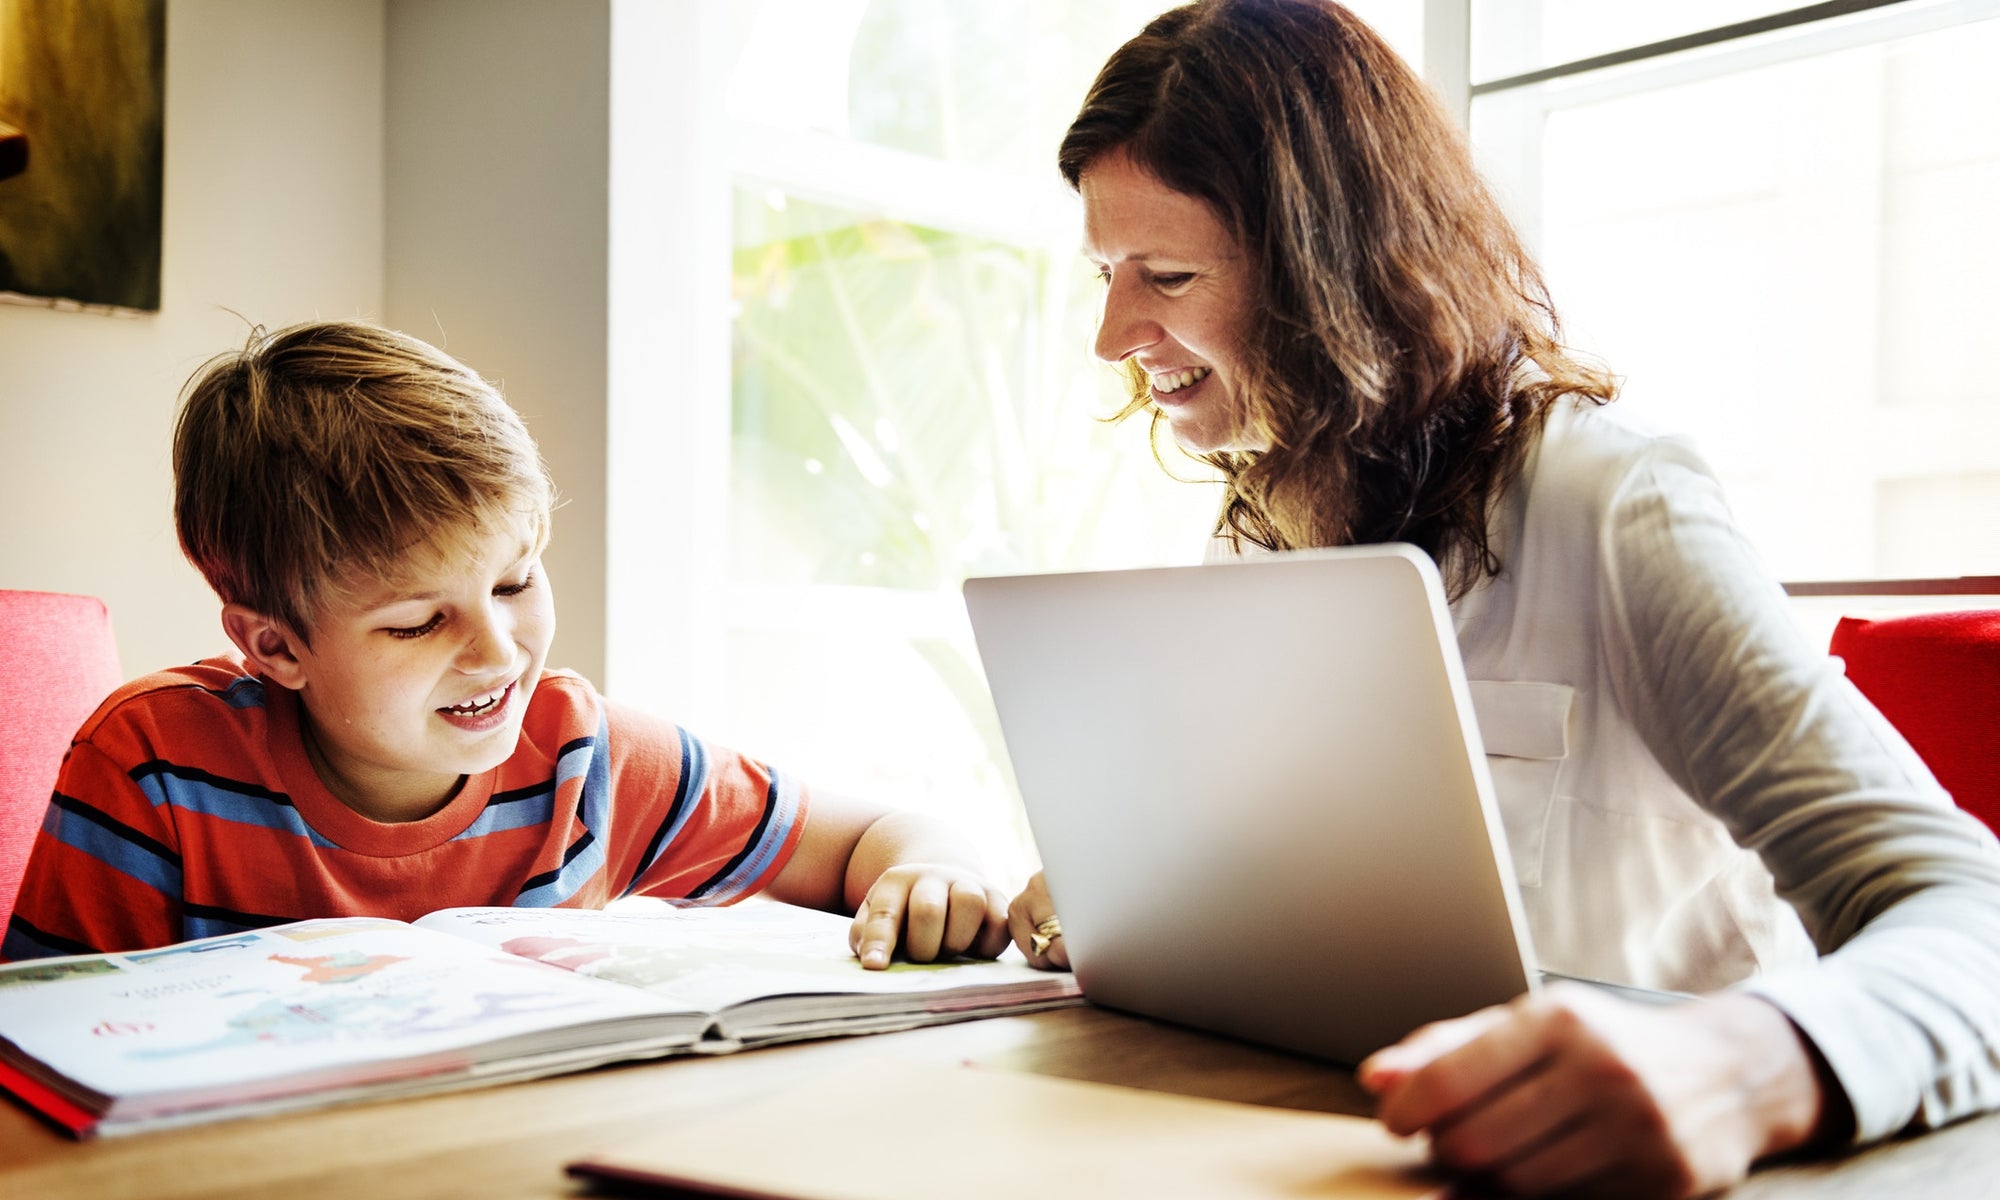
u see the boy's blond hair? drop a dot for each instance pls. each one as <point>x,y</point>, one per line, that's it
<point>328,456</point>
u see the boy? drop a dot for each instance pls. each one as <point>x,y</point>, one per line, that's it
<point>387,740</point>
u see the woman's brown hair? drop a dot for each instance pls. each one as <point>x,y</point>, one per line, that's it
<point>1404,351</point>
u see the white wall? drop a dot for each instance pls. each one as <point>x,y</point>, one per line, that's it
<point>498,153</point>
<point>274,211</point>
<point>437,165</point>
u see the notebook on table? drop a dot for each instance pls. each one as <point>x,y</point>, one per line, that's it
<point>980,1133</point>
<point>1259,793</point>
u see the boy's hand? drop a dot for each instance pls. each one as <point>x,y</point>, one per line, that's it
<point>933,911</point>
<point>909,880</point>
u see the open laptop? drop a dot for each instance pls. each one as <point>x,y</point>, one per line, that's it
<point>1259,793</point>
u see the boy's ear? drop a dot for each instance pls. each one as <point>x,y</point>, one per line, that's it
<point>267,642</point>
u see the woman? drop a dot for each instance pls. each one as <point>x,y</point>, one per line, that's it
<point>1313,291</point>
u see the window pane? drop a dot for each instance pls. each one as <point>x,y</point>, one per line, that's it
<point>987,82</point>
<point>910,407</point>
<point>1513,37</point>
<point>910,723</point>
<point>1798,265</point>
<point>1400,22</point>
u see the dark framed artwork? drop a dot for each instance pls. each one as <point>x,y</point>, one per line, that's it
<point>82,121</point>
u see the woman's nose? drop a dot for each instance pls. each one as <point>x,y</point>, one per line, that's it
<point>1124,327</point>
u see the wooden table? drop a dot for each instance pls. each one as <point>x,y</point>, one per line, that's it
<point>512,1141</point>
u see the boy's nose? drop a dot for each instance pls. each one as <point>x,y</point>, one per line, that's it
<point>489,642</point>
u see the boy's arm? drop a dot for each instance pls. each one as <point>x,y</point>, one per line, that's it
<point>907,878</point>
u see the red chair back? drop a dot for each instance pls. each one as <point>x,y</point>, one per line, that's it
<point>58,661</point>
<point>1936,676</point>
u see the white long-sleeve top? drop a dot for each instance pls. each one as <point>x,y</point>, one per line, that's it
<point>1696,798</point>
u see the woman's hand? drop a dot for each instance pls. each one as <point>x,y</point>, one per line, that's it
<point>1031,918</point>
<point>1577,1091</point>
<point>933,910</point>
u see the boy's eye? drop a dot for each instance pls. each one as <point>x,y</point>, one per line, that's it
<point>515,589</point>
<point>417,631</point>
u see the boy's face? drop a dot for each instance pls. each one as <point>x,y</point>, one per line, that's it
<point>418,681</point>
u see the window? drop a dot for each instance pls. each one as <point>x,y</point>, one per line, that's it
<point>1781,241</point>
<point>912,394</point>
<point>1776,235</point>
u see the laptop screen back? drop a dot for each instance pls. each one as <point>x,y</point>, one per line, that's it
<point>1259,793</point>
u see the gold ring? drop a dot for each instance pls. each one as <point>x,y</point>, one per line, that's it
<point>1047,930</point>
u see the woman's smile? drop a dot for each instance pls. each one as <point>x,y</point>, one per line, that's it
<point>1178,292</point>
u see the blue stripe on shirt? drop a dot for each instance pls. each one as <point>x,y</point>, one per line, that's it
<point>207,920</point>
<point>781,813</point>
<point>687,796</point>
<point>244,692</point>
<point>113,843</point>
<point>25,942</point>
<point>195,791</point>
<point>588,758</point>
<point>516,809</point>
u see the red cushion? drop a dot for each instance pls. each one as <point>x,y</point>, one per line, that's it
<point>1936,676</point>
<point>58,660</point>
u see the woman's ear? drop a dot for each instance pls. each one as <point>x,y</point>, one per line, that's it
<point>268,643</point>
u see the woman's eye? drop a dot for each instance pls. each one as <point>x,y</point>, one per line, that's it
<point>515,589</point>
<point>1173,280</point>
<point>417,631</point>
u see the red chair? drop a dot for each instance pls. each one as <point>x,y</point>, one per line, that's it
<point>58,660</point>
<point>1936,676</point>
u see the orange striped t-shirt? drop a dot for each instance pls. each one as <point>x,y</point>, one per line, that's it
<point>187,807</point>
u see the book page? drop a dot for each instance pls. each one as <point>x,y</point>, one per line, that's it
<point>715,958</point>
<point>917,1131</point>
<point>296,1007</point>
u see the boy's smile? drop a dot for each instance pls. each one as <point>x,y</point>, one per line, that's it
<point>414,685</point>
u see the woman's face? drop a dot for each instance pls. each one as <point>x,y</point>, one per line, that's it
<point>1178,292</point>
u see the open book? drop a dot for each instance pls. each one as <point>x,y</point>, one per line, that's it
<point>320,1012</point>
